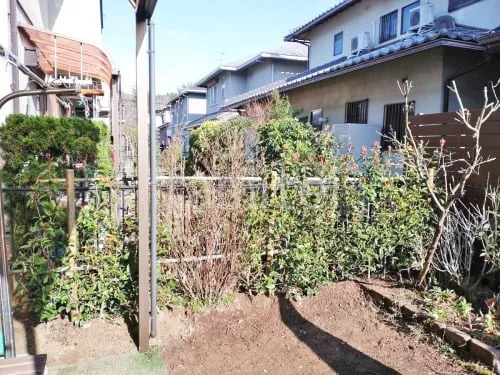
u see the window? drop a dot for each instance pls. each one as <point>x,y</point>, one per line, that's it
<point>338,42</point>
<point>394,122</point>
<point>316,117</point>
<point>212,93</point>
<point>457,4</point>
<point>405,16</point>
<point>223,88</point>
<point>388,26</point>
<point>356,112</point>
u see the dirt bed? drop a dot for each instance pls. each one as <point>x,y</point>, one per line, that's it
<point>338,331</point>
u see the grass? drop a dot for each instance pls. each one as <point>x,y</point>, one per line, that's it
<point>149,363</point>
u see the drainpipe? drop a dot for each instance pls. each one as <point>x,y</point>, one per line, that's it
<point>14,48</point>
<point>446,92</point>
<point>153,194</point>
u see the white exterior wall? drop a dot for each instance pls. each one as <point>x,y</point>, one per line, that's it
<point>197,106</point>
<point>80,20</point>
<point>66,17</point>
<point>361,17</point>
<point>378,84</point>
<point>5,69</point>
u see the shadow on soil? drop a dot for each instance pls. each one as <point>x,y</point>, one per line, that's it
<point>340,356</point>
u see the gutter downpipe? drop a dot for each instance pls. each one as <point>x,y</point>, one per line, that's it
<point>446,93</point>
<point>14,48</point>
<point>153,194</point>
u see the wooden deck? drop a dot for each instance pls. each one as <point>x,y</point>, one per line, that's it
<point>24,365</point>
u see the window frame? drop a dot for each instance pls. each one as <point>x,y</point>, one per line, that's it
<point>223,88</point>
<point>411,6</point>
<point>391,37</point>
<point>465,3</point>
<point>341,35</point>
<point>361,111</point>
<point>212,94</point>
<point>397,108</point>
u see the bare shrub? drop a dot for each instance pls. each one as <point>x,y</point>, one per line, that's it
<point>258,112</point>
<point>208,248</point>
<point>466,227</point>
<point>438,165</point>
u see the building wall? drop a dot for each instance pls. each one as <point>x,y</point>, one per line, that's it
<point>67,17</point>
<point>5,70</point>
<point>237,83</point>
<point>365,17</point>
<point>283,70</point>
<point>472,73</point>
<point>81,22</point>
<point>259,74</point>
<point>378,84</point>
<point>197,106</point>
<point>179,112</point>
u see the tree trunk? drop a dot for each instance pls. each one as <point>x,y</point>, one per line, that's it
<point>432,249</point>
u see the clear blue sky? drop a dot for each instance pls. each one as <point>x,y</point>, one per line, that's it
<point>191,34</point>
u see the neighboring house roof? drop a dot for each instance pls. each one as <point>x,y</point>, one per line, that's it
<point>298,33</point>
<point>464,37</point>
<point>287,51</point>
<point>219,116</point>
<point>186,92</point>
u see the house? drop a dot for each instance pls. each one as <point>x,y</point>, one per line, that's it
<point>360,49</point>
<point>56,43</point>
<point>265,69</point>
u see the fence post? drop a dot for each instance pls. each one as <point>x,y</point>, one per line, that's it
<point>70,194</point>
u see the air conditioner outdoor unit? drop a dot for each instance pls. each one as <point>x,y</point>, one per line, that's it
<point>421,16</point>
<point>361,42</point>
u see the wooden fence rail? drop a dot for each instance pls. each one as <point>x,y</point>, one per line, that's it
<point>432,127</point>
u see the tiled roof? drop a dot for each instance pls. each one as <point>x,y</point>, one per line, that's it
<point>464,36</point>
<point>218,116</point>
<point>193,90</point>
<point>341,6</point>
<point>289,50</point>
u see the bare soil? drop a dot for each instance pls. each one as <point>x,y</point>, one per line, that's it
<point>338,331</point>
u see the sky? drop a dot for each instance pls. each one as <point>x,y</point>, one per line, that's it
<point>193,37</point>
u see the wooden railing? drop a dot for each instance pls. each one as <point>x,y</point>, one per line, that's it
<point>432,127</point>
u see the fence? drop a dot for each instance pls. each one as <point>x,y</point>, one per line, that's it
<point>432,128</point>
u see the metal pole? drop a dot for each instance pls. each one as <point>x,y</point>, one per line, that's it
<point>142,183</point>
<point>20,93</point>
<point>5,302</point>
<point>14,47</point>
<point>153,194</point>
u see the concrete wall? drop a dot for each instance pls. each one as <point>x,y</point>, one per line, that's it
<point>378,84</point>
<point>362,16</point>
